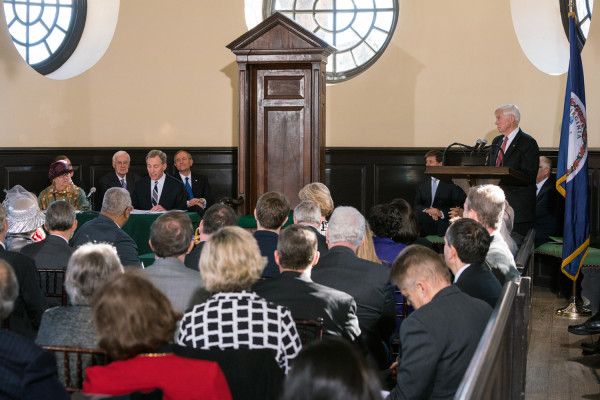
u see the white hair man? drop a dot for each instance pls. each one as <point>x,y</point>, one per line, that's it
<point>120,177</point>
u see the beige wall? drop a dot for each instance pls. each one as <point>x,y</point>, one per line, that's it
<point>168,80</point>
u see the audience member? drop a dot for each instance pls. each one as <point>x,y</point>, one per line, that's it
<point>307,213</point>
<point>296,255</point>
<point>408,232</point>
<point>506,227</point>
<point>120,177</point>
<point>367,282</point>
<point>27,372</point>
<point>215,217</point>
<point>319,193</point>
<point>439,338</point>
<point>271,213</point>
<point>24,218</point>
<point>434,199</point>
<point>30,303</point>
<point>485,204</point>
<point>136,322</point>
<point>158,191</point>
<point>385,223</point>
<point>107,228</point>
<point>234,317</point>
<point>199,192</point>
<point>54,251</point>
<point>62,188</point>
<point>466,245</point>
<point>331,370</point>
<point>171,240</point>
<point>547,208</point>
<point>366,250</point>
<point>520,152</point>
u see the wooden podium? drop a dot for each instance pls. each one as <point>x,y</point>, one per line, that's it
<point>468,176</point>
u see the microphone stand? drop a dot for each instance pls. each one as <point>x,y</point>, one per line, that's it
<point>454,144</point>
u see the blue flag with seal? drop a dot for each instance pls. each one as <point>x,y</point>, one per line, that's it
<point>572,167</point>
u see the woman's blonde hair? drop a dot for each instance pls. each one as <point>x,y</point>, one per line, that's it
<point>319,193</point>
<point>366,250</point>
<point>231,260</point>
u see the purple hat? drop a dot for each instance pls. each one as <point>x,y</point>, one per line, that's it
<point>59,168</point>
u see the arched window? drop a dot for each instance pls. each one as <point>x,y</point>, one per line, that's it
<point>360,30</point>
<point>583,13</point>
<point>45,32</point>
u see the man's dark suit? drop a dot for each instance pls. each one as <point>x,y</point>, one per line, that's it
<point>172,197</point>
<point>111,180</point>
<point>309,300</point>
<point>549,212</point>
<point>523,155</point>
<point>478,281</point>
<point>200,189</point>
<point>321,240</point>
<point>368,283</point>
<point>447,196</point>
<point>193,257</point>
<point>27,371</point>
<point>105,230</point>
<point>437,343</point>
<point>30,303</point>
<point>267,243</point>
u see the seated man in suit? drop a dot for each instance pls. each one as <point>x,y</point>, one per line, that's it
<point>116,207</point>
<point>54,251</point>
<point>199,193</point>
<point>367,282</point>
<point>548,206</point>
<point>466,245</point>
<point>485,204</point>
<point>296,255</point>
<point>121,177</point>
<point>435,199</point>
<point>271,213</point>
<point>308,213</point>
<point>158,191</point>
<point>439,338</point>
<point>30,303</point>
<point>215,217</point>
<point>26,370</point>
<point>171,239</point>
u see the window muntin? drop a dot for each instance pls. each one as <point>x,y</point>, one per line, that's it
<point>583,13</point>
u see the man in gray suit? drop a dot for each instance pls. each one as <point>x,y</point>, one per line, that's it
<point>485,204</point>
<point>171,240</point>
<point>439,338</point>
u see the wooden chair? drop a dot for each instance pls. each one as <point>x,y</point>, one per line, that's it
<point>309,329</point>
<point>52,283</point>
<point>399,317</point>
<point>74,361</point>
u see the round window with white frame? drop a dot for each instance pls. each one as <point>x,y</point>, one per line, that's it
<point>360,30</point>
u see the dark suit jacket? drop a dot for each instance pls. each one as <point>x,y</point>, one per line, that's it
<point>368,283</point>
<point>309,300</point>
<point>193,257</point>
<point>267,242</point>
<point>549,212</point>
<point>200,189</point>
<point>321,241</point>
<point>111,180</point>
<point>30,304</point>
<point>437,342</point>
<point>104,229</point>
<point>27,371</point>
<point>173,196</point>
<point>478,281</point>
<point>447,196</point>
<point>523,155</point>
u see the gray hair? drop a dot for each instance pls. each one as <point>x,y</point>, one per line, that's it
<point>60,216</point>
<point>510,109</point>
<point>119,154</point>
<point>546,162</point>
<point>308,212</point>
<point>157,153</point>
<point>9,289</point>
<point>346,224</point>
<point>487,201</point>
<point>116,200</point>
<point>89,268</point>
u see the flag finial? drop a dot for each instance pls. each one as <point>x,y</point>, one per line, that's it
<point>571,12</point>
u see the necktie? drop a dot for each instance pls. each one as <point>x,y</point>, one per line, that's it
<point>123,183</point>
<point>188,188</point>
<point>500,154</point>
<point>155,194</point>
<point>434,185</point>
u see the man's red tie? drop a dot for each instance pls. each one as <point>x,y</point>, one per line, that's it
<point>501,154</point>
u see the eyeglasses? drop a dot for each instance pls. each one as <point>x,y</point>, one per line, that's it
<point>179,160</point>
<point>122,162</point>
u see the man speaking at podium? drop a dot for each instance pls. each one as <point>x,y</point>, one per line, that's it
<point>521,153</point>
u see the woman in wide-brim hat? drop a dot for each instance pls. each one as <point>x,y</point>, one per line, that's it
<point>62,188</point>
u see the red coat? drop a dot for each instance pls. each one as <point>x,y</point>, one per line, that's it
<point>179,378</point>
